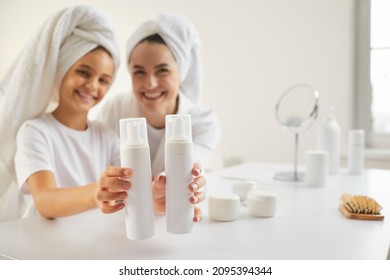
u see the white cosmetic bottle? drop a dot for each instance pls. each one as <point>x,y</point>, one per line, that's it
<point>356,143</point>
<point>178,168</point>
<point>329,140</point>
<point>135,154</point>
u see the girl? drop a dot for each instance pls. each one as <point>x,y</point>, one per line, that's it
<point>61,157</point>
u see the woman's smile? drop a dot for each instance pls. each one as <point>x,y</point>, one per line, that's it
<point>153,96</point>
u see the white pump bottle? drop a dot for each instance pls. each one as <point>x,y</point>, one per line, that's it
<point>329,140</point>
<point>178,168</point>
<point>135,154</point>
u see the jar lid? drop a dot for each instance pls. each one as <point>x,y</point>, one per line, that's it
<point>261,194</point>
<point>224,207</point>
<point>262,203</point>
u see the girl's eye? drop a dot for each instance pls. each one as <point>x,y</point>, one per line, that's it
<point>83,73</point>
<point>104,82</point>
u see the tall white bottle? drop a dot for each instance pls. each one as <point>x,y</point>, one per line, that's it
<point>178,169</point>
<point>356,146</point>
<point>329,140</point>
<point>135,154</point>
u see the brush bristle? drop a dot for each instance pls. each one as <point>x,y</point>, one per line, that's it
<point>361,204</point>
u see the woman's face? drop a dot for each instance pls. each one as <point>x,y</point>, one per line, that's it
<point>155,76</point>
<point>87,81</point>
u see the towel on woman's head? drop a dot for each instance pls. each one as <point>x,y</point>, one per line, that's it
<point>182,39</point>
<point>33,80</point>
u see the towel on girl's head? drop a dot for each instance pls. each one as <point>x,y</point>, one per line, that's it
<point>33,80</point>
<point>182,39</point>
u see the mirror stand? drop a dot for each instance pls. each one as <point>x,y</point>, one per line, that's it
<point>296,110</point>
<point>294,176</point>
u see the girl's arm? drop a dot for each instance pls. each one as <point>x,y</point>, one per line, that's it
<point>53,202</point>
<point>107,193</point>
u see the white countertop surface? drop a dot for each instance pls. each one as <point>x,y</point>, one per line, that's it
<point>307,225</point>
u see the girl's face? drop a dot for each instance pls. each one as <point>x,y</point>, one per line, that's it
<point>87,81</point>
<point>155,76</point>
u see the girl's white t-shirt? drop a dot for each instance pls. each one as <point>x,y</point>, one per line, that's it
<point>75,157</point>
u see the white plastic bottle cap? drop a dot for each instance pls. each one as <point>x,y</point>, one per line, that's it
<point>178,128</point>
<point>133,132</point>
<point>224,207</point>
<point>262,203</point>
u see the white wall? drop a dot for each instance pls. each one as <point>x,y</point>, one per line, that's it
<point>252,51</point>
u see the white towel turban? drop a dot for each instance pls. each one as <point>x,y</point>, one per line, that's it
<point>33,80</point>
<point>182,39</point>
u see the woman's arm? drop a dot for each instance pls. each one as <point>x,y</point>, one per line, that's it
<point>206,134</point>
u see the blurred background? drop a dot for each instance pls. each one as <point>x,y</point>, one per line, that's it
<point>252,51</point>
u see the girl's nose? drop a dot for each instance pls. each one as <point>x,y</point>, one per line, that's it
<point>91,84</point>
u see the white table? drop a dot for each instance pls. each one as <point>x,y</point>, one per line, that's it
<point>307,225</point>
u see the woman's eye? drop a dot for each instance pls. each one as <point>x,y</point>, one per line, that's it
<point>138,72</point>
<point>162,71</point>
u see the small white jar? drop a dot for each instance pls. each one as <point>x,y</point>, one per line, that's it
<point>317,168</point>
<point>262,203</point>
<point>224,207</point>
<point>243,188</point>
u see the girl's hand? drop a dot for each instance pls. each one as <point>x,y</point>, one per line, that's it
<point>112,189</point>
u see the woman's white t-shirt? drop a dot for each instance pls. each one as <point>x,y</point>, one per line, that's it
<point>205,126</point>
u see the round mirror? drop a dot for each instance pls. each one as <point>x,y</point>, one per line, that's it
<point>296,110</point>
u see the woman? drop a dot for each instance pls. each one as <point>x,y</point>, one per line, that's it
<point>166,73</point>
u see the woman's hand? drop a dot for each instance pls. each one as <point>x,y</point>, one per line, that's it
<point>159,187</point>
<point>196,187</point>
<point>112,188</point>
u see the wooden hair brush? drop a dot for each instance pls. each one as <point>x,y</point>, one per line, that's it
<point>360,207</point>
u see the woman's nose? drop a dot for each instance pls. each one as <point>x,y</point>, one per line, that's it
<point>151,82</point>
